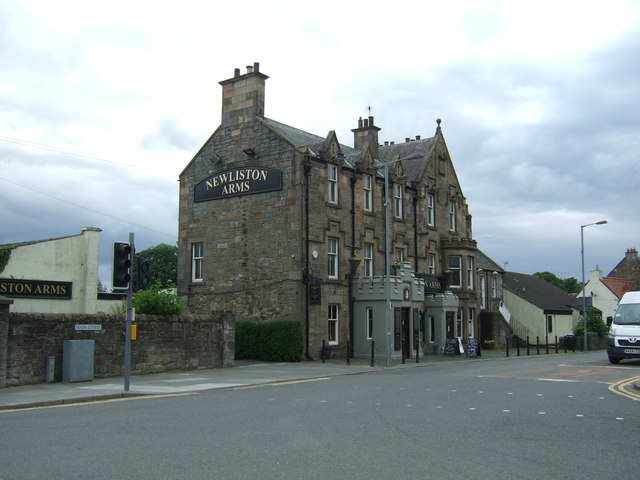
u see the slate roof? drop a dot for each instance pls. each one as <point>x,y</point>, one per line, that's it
<point>34,242</point>
<point>299,138</point>
<point>485,263</point>
<point>539,292</point>
<point>411,168</point>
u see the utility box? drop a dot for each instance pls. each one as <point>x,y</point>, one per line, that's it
<point>50,369</point>
<point>77,360</point>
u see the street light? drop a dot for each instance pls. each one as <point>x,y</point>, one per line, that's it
<point>387,246</point>
<point>584,297</point>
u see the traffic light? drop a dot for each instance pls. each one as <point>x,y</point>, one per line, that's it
<point>121,264</point>
<point>144,276</point>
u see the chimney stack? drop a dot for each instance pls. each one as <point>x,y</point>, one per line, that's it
<point>243,96</point>
<point>366,134</point>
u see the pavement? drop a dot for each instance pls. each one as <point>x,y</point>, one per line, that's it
<point>242,374</point>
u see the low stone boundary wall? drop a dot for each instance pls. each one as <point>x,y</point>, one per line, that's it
<point>183,342</point>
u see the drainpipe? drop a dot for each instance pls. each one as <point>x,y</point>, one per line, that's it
<point>352,265</point>
<point>306,277</point>
<point>415,233</point>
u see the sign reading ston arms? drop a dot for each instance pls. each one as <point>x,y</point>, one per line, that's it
<point>238,181</point>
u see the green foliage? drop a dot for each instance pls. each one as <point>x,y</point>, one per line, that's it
<point>569,285</point>
<point>278,340</point>
<point>157,300</point>
<point>101,288</point>
<point>5,254</point>
<point>594,324</point>
<point>163,263</point>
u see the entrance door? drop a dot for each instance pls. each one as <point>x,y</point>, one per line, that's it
<point>450,325</point>
<point>486,326</point>
<point>402,331</point>
<point>406,332</point>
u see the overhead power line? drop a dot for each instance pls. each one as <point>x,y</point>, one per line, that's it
<point>28,143</point>
<point>87,208</point>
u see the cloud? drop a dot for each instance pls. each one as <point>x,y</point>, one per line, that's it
<point>101,110</point>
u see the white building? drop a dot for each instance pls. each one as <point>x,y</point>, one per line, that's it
<point>538,307</point>
<point>604,293</point>
<point>58,275</point>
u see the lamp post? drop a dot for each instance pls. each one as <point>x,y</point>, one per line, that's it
<point>584,297</point>
<point>387,247</point>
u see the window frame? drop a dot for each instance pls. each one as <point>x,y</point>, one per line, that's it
<point>456,271</point>
<point>398,255</point>
<point>333,324</point>
<point>431,266</point>
<point>452,216</point>
<point>398,204</point>
<point>470,273</point>
<point>197,262</point>
<point>332,183</point>
<point>431,210</point>
<point>367,193</point>
<point>332,257</point>
<point>367,255</point>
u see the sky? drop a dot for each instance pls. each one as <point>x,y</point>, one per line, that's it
<point>103,104</point>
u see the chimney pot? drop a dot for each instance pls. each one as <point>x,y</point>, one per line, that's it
<point>365,123</point>
<point>407,139</point>
<point>417,137</point>
<point>249,68</point>
<point>256,66</point>
<point>236,72</point>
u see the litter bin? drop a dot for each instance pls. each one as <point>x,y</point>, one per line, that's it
<point>570,342</point>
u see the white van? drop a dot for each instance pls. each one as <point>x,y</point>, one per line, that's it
<point>624,331</point>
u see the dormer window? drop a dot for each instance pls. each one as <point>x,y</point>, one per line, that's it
<point>332,183</point>
<point>398,209</point>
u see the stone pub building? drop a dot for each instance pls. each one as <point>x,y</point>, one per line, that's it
<point>277,222</point>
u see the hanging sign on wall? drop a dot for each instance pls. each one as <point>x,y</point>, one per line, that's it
<point>237,182</point>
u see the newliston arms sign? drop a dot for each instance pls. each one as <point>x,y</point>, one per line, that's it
<point>238,181</point>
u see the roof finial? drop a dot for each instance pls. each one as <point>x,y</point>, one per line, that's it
<point>438,129</point>
<point>369,107</point>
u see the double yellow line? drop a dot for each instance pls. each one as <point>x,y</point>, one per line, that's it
<point>620,388</point>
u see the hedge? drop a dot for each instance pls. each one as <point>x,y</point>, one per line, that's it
<point>278,340</point>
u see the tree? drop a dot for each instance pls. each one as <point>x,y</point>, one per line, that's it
<point>163,263</point>
<point>569,285</point>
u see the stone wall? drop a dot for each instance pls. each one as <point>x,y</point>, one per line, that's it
<point>163,344</point>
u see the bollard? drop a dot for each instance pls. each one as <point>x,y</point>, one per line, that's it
<point>373,347</point>
<point>537,345</point>
<point>517,347</point>
<point>556,337</point>
<point>506,346</point>
<point>546,341</point>
<point>349,351</point>
<point>324,360</point>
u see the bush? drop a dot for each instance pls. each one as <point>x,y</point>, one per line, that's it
<point>157,300</point>
<point>278,340</point>
<point>594,324</point>
<point>247,339</point>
